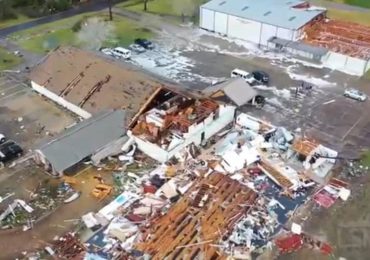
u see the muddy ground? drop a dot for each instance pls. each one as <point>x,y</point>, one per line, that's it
<point>26,117</point>
<point>15,242</point>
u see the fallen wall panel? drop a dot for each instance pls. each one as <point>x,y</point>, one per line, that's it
<point>60,101</point>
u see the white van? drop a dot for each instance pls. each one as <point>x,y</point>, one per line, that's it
<point>239,73</point>
<point>243,74</point>
<point>120,52</point>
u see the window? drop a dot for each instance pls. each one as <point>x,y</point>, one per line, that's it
<point>222,3</point>
<point>292,18</point>
<point>245,8</point>
<point>267,13</point>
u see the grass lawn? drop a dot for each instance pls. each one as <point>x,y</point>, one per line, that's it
<point>162,7</point>
<point>8,60</point>
<point>355,17</point>
<point>46,37</point>
<point>10,22</point>
<point>361,3</point>
<point>365,159</point>
<point>367,75</point>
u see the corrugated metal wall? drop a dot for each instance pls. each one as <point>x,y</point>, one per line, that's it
<point>241,28</point>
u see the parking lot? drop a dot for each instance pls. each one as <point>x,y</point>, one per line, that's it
<point>197,63</point>
<point>26,117</point>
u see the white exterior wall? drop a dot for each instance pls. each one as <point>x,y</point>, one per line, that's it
<point>267,32</point>
<point>297,34</point>
<point>346,64</point>
<point>285,33</point>
<point>113,148</point>
<point>241,28</point>
<point>60,101</point>
<point>207,19</point>
<point>221,23</point>
<point>226,116</point>
<point>244,29</point>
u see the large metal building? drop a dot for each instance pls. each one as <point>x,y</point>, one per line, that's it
<point>257,21</point>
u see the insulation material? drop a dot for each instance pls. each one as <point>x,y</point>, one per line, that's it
<point>296,228</point>
<point>344,194</point>
<point>123,199</point>
<point>248,122</point>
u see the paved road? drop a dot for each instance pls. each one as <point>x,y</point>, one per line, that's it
<point>91,7</point>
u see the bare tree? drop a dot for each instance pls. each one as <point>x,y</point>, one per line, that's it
<point>184,7</point>
<point>95,32</point>
<point>146,5</point>
<point>110,10</point>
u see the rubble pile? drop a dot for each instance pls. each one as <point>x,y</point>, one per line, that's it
<point>227,199</point>
<point>288,243</point>
<point>69,247</point>
<point>42,200</point>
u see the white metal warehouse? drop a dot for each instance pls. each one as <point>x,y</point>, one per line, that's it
<point>257,21</point>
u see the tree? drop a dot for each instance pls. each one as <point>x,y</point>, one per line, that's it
<point>6,11</point>
<point>184,7</point>
<point>145,5</point>
<point>110,10</point>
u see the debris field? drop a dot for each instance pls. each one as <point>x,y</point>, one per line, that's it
<point>343,37</point>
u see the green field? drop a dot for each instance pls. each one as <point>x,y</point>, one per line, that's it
<point>355,17</point>
<point>46,37</point>
<point>8,60</point>
<point>161,7</point>
<point>365,160</point>
<point>362,3</point>
<point>10,22</point>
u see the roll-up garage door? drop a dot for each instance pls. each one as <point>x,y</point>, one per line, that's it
<point>207,19</point>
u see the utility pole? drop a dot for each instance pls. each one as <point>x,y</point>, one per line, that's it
<point>110,10</point>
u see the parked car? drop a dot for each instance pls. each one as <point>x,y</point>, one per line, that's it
<point>106,51</point>
<point>145,43</point>
<point>136,48</point>
<point>121,53</point>
<point>239,73</point>
<point>261,77</point>
<point>10,151</point>
<point>253,79</point>
<point>355,94</point>
<point>2,138</point>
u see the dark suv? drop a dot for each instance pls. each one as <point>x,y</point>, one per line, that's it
<point>145,43</point>
<point>261,77</point>
<point>9,151</point>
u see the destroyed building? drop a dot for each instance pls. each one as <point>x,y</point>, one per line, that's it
<point>207,213</point>
<point>229,201</point>
<point>96,137</point>
<point>171,121</point>
<point>304,31</point>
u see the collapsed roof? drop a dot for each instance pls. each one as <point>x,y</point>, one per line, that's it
<point>92,82</point>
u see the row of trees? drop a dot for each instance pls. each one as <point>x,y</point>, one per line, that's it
<point>31,7</point>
